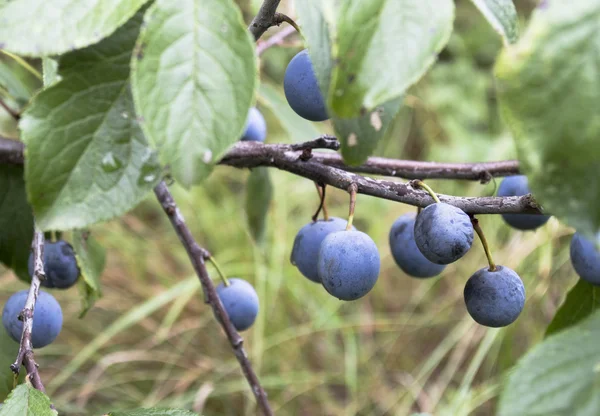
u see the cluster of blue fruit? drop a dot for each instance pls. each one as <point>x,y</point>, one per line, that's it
<point>62,272</point>
<point>346,262</point>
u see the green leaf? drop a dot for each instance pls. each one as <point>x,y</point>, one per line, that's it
<point>549,96</point>
<point>502,16</point>
<point>297,127</point>
<point>16,221</point>
<point>560,376</point>
<point>359,136</point>
<point>194,78</point>
<point>582,300</point>
<point>37,28</point>
<point>8,353</point>
<point>259,193</point>
<point>19,83</point>
<point>24,400</point>
<point>383,47</point>
<point>87,159</point>
<point>91,257</point>
<point>154,412</point>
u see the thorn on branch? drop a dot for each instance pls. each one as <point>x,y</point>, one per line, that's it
<point>279,18</point>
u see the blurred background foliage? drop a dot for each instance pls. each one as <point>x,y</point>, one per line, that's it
<point>407,347</point>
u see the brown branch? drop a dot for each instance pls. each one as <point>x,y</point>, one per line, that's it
<point>329,169</point>
<point>264,19</point>
<point>276,39</point>
<point>25,354</point>
<point>413,169</point>
<point>198,255</point>
<point>281,156</point>
<point>11,151</point>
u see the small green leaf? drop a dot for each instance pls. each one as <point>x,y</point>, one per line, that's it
<point>8,353</point>
<point>24,400</point>
<point>37,28</point>
<point>91,258</point>
<point>16,221</point>
<point>383,47</point>
<point>502,16</point>
<point>582,300</point>
<point>154,412</point>
<point>298,128</point>
<point>359,136</point>
<point>560,376</point>
<point>50,72</point>
<point>194,79</point>
<point>258,198</point>
<point>549,96</point>
<point>86,157</point>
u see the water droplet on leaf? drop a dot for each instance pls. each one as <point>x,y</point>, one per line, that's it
<point>111,163</point>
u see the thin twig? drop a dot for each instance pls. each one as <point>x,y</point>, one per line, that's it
<point>319,168</point>
<point>198,256</point>
<point>276,39</point>
<point>264,19</point>
<point>321,191</point>
<point>25,354</point>
<point>13,113</point>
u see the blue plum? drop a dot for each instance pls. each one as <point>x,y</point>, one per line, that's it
<point>307,243</point>
<point>348,264</point>
<point>256,127</point>
<point>495,298</point>
<point>405,250</point>
<point>60,265</point>
<point>47,318</point>
<point>240,302</point>
<point>443,233</point>
<point>585,259</point>
<point>517,186</point>
<point>302,89</point>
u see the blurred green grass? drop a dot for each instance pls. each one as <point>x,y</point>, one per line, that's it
<point>408,346</point>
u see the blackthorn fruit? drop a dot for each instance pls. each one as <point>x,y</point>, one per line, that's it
<point>307,244</point>
<point>405,250</point>
<point>240,302</point>
<point>495,298</point>
<point>47,318</point>
<point>443,233</point>
<point>302,88</point>
<point>585,259</point>
<point>348,264</point>
<point>517,186</point>
<point>256,128</point>
<point>60,265</point>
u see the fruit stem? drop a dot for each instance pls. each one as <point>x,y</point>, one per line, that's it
<point>484,243</point>
<point>219,270</point>
<point>321,191</point>
<point>423,185</point>
<point>352,189</point>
